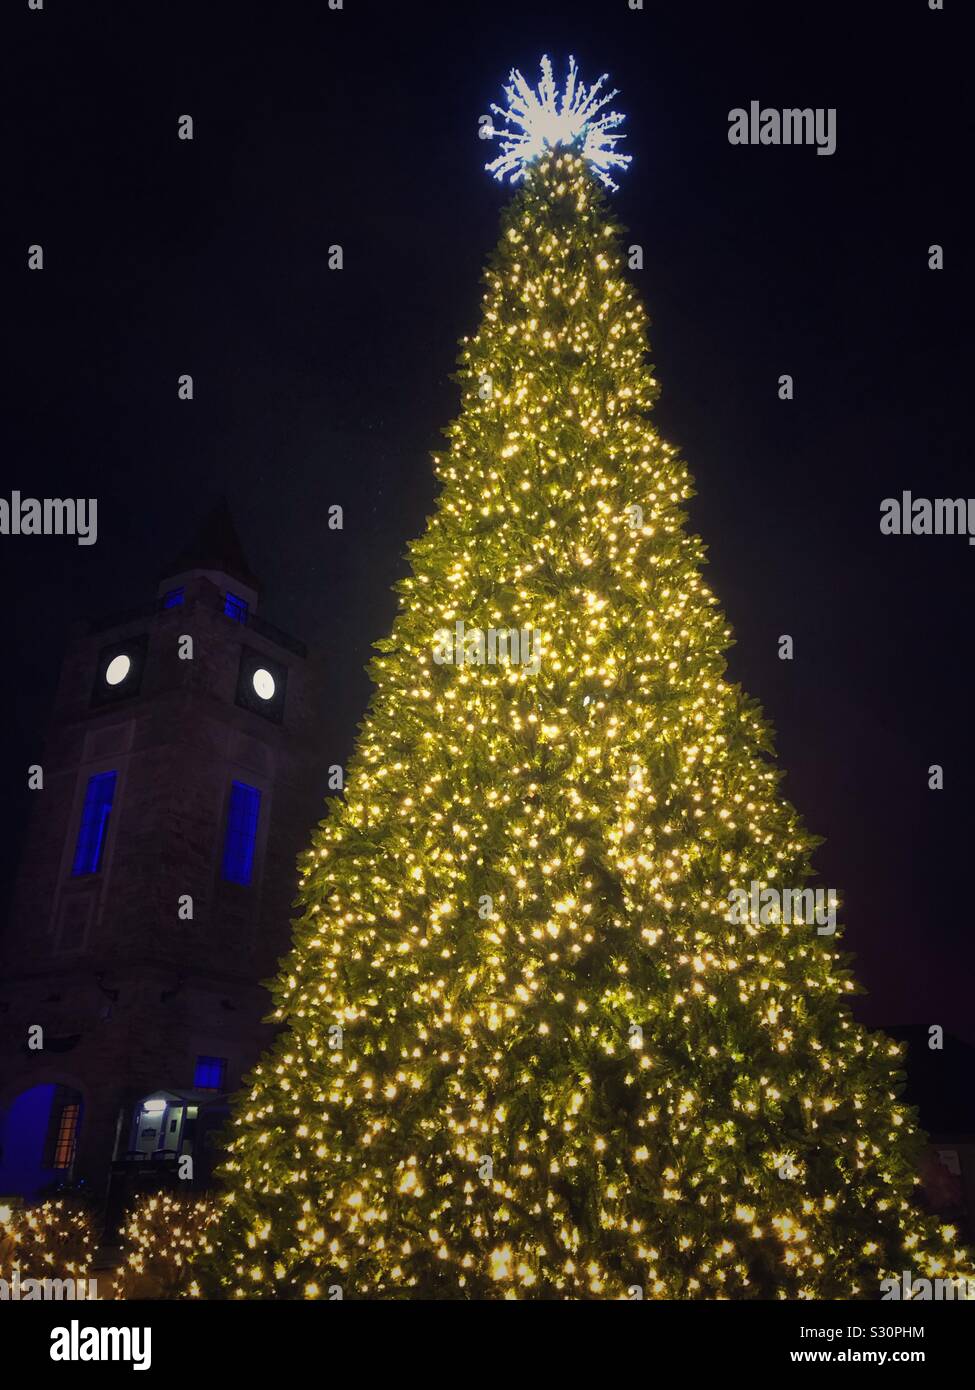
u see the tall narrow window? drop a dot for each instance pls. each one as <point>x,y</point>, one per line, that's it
<point>94,823</point>
<point>238,846</point>
<point>235,607</point>
<point>66,1139</point>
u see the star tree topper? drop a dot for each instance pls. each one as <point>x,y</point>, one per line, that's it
<point>540,120</point>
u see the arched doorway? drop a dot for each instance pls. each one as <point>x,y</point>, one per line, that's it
<point>39,1132</point>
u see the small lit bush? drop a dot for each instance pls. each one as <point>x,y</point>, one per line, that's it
<point>53,1240</point>
<point>159,1238</point>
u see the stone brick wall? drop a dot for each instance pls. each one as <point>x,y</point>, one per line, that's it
<point>147,993</point>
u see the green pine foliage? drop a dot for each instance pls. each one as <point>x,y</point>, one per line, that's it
<point>526,1052</point>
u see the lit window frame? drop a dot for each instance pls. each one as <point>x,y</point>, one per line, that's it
<point>240,833</point>
<point>96,813</point>
<point>236,607</point>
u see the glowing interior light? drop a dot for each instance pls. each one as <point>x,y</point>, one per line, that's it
<point>263,683</point>
<point>154,1107</point>
<point>118,669</point>
<point>538,121</point>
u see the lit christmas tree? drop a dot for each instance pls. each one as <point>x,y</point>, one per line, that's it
<point>529,1047</point>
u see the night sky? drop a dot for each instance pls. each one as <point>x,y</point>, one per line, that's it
<point>315,387</point>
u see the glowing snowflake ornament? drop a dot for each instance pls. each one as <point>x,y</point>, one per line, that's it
<point>537,121</point>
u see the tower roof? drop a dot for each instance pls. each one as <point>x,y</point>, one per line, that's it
<point>215,546</point>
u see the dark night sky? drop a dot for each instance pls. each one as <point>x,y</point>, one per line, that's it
<point>315,387</point>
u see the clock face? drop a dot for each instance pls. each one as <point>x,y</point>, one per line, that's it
<point>118,674</point>
<point>118,668</point>
<point>263,683</point>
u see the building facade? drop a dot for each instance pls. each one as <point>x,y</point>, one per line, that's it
<point>181,777</point>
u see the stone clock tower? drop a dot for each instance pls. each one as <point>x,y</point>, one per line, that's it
<point>183,772</point>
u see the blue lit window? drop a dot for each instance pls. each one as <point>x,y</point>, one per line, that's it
<point>94,823</point>
<point>211,1073</point>
<point>235,608</point>
<point>238,846</point>
<point>173,598</point>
